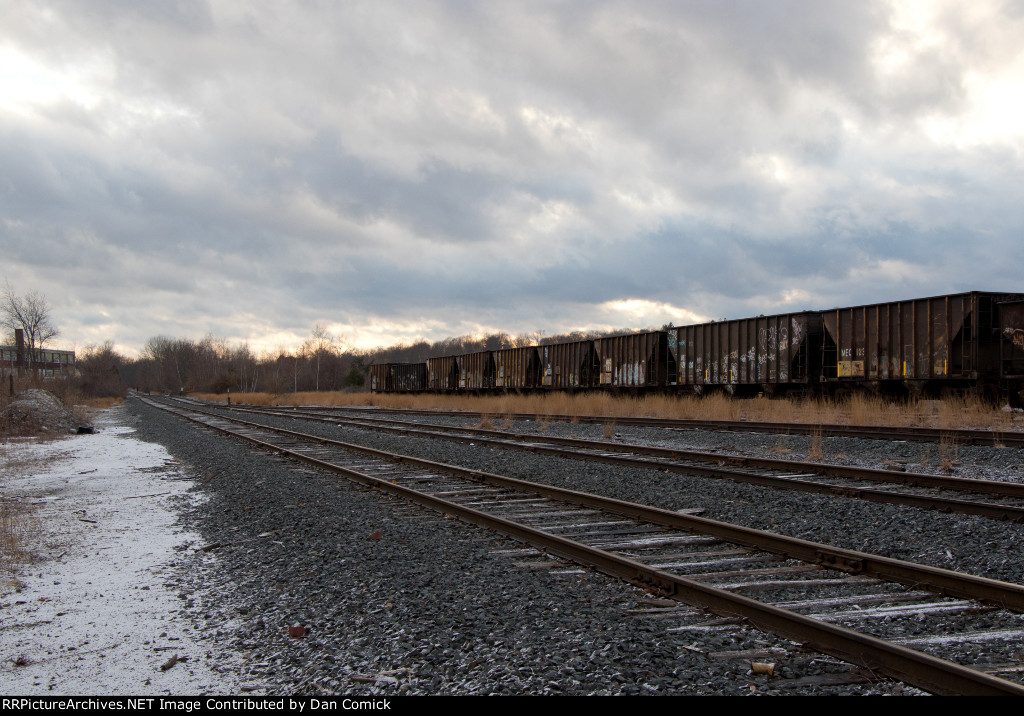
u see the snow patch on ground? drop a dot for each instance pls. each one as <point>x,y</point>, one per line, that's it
<point>96,613</point>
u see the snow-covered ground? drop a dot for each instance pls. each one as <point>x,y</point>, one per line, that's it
<point>95,612</point>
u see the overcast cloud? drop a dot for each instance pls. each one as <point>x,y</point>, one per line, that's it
<point>404,170</point>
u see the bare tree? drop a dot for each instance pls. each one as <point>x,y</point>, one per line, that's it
<point>30,313</point>
<point>320,344</point>
<point>100,368</point>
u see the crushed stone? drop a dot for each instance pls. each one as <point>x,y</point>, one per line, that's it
<point>37,411</point>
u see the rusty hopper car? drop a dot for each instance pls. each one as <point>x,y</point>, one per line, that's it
<point>398,377</point>
<point>442,374</point>
<point>920,346</point>
<point>379,378</point>
<point>517,368</point>
<point>476,371</point>
<point>770,354</point>
<point>637,360</point>
<point>569,366</point>
<point>967,342</point>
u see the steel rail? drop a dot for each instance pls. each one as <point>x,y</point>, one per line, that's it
<point>725,463</point>
<point>992,487</point>
<point>1001,594</point>
<point>928,672</point>
<point>1008,438</point>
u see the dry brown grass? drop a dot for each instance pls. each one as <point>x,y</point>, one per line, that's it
<point>17,523</point>
<point>781,446</point>
<point>11,465</point>
<point>970,412</point>
<point>100,403</point>
<point>816,451</point>
<point>16,526</point>
<point>926,457</point>
<point>855,410</point>
<point>949,454</point>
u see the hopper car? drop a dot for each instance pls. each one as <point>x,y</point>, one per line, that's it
<point>969,343</point>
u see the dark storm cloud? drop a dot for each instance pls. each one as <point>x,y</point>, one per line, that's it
<point>62,195</point>
<point>436,167</point>
<point>440,202</point>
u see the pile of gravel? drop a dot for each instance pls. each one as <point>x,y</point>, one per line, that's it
<point>37,411</point>
<point>393,599</point>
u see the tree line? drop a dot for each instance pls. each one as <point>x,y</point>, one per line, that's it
<point>212,365</point>
<point>322,363</point>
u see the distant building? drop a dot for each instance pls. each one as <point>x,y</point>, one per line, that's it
<point>49,362</point>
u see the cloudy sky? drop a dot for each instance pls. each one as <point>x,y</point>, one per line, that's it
<point>404,170</point>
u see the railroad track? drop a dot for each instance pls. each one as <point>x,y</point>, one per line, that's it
<point>990,498</point>
<point>886,615</point>
<point>1003,438</point>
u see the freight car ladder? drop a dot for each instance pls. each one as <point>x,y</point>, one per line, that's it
<point>975,335</point>
<point>975,322</point>
<point>968,338</point>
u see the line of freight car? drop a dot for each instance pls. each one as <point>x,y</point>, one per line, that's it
<point>972,342</point>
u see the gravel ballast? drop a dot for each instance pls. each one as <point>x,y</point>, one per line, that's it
<point>294,547</point>
<point>966,543</point>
